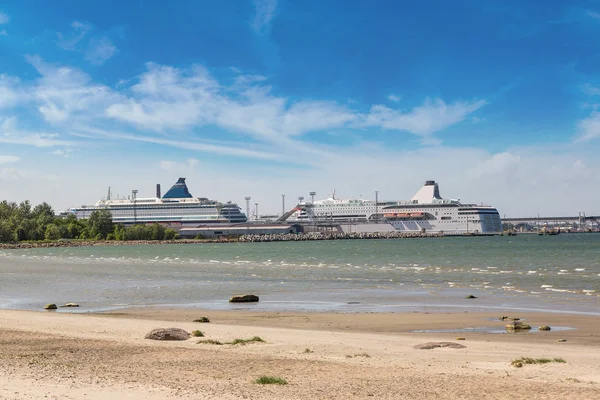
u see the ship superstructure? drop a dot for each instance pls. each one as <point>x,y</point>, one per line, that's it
<point>176,208</point>
<point>426,211</point>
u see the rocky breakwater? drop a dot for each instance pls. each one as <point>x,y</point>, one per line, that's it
<point>292,237</point>
<point>82,243</point>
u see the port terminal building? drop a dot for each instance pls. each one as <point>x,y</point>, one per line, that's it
<point>216,231</point>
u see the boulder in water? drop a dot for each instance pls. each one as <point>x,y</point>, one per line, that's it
<point>517,326</point>
<point>244,298</point>
<point>167,334</point>
<point>70,305</point>
<point>50,306</point>
<point>544,328</point>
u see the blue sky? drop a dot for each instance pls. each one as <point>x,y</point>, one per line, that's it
<point>498,101</point>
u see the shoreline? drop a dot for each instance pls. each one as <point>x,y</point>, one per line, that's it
<point>337,356</point>
<point>242,239</point>
<point>252,239</point>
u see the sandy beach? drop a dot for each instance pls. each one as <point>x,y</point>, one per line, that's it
<point>49,355</point>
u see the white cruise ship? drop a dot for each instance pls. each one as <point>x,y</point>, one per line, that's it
<point>427,211</point>
<point>176,208</point>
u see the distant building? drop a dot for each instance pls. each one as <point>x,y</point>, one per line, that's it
<point>212,231</point>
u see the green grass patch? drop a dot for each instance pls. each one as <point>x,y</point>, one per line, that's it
<point>519,362</point>
<point>197,333</point>
<point>210,341</point>
<point>270,380</point>
<point>203,319</point>
<point>256,339</point>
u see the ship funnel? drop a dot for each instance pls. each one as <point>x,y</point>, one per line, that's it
<point>158,190</point>
<point>428,193</point>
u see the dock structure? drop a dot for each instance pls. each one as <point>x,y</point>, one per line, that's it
<point>581,220</point>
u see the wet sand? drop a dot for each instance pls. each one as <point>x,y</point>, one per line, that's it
<point>321,355</point>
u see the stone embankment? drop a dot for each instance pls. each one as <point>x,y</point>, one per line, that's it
<point>290,237</point>
<point>244,238</point>
<point>82,243</point>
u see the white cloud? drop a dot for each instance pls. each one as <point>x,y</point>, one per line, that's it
<point>69,41</point>
<point>593,14</point>
<point>11,134</point>
<point>3,32</point>
<point>431,117</point>
<point>237,150</point>
<point>10,175</point>
<point>394,98</point>
<point>4,18</point>
<point>100,50</point>
<point>180,167</point>
<point>9,159</point>
<point>589,128</point>
<point>9,92</point>
<point>591,90</point>
<point>63,93</point>
<point>501,164</point>
<point>265,11</point>
<point>64,152</point>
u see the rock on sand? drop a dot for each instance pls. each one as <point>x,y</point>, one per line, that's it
<point>167,334</point>
<point>433,345</point>
<point>244,298</point>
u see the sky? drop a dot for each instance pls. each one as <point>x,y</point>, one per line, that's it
<point>497,101</point>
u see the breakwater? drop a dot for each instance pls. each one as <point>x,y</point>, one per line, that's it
<point>85,243</point>
<point>290,237</point>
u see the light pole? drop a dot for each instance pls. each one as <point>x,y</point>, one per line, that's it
<point>248,198</point>
<point>282,204</point>
<point>377,205</point>
<point>256,211</point>
<point>134,193</point>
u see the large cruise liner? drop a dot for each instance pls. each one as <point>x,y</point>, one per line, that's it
<point>176,208</point>
<point>427,211</point>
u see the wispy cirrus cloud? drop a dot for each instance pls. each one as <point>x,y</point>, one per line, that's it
<point>9,91</point>
<point>9,159</point>
<point>589,128</point>
<point>96,50</point>
<point>433,116</point>
<point>4,18</point>
<point>167,105</point>
<point>591,89</point>
<point>100,50</point>
<point>10,133</point>
<point>593,14</point>
<point>70,40</point>
<point>265,11</point>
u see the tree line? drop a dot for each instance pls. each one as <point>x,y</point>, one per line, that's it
<point>21,222</point>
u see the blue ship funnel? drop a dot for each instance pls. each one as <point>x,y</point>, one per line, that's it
<point>178,191</point>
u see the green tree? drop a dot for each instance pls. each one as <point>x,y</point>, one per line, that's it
<point>170,234</point>
<point>52,232</point>
<point>100,223</point>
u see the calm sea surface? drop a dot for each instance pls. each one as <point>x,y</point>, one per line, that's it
<point>526,272</point>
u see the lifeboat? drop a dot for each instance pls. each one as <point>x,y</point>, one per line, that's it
<point>407,215</point>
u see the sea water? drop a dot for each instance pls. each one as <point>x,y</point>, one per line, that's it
<point>526,272</point>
